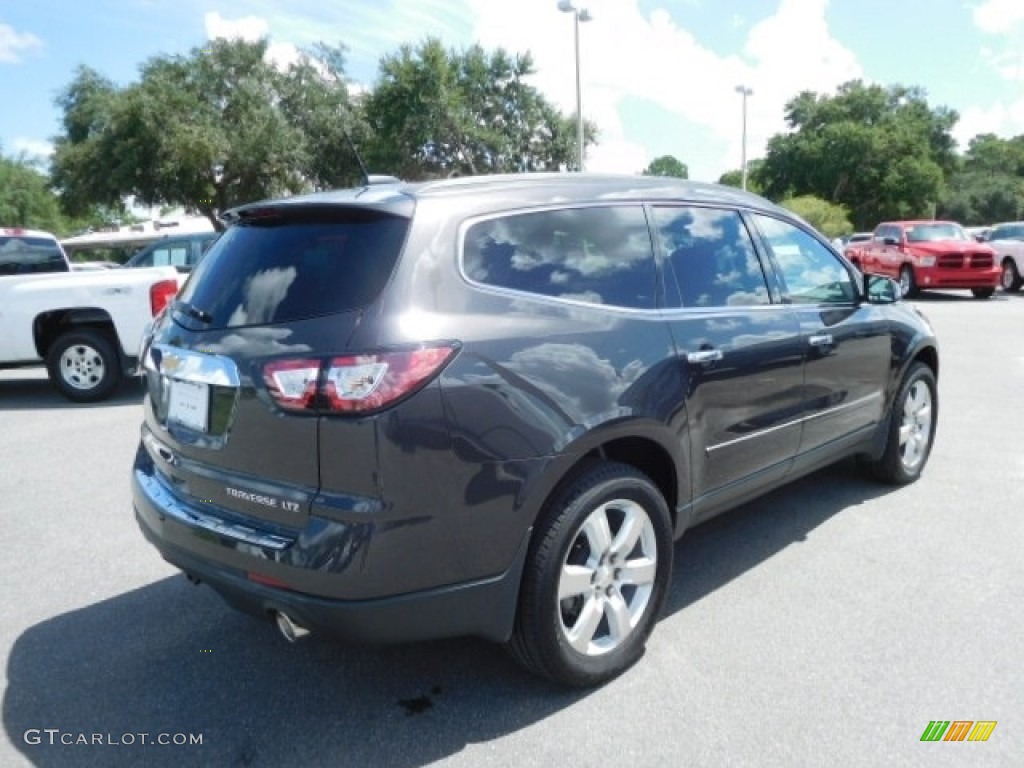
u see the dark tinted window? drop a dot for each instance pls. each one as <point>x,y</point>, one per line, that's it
<point>711,258</point>
<point>28,255</point>
<point>598,255</point>
<point>1007,232</point>
<point>812,274</point>
<point>274,270</point>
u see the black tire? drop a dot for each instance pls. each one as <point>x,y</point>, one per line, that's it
<point>908,283</point>
<point>567,554</point>
<point>1010,278</point>
<point>911,429</point>
<point>983,293</point>
<point>83,365</point>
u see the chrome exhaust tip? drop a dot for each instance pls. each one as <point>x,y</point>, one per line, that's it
<point>289,628</point>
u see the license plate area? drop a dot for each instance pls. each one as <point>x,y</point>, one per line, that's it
<point>188,404</point>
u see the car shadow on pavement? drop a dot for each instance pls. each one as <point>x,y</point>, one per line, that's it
<point>170,658</point>
<point>28,391</point>
<point>712,554</point>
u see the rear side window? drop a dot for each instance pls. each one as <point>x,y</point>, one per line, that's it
<point>170,256</point>
<point>30,255</point>
<point>711,258</point>
<point>599,255</point>
<point>275,270</point>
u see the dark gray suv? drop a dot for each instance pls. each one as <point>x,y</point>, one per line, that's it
<point>488,406</point>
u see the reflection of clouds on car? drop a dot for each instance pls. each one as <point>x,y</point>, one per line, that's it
<point>599,383</point>
<point>263,293</point>
<point>598,256</point>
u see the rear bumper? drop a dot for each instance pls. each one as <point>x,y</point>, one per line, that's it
<point>484,607</point>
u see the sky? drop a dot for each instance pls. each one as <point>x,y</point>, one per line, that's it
<point>658,77</point>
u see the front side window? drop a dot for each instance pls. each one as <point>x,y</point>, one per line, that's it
<point>600,255</point>
<point>811,273</point>
<point>710,257</point>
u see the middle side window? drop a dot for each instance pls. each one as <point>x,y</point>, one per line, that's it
<point>711,261</point>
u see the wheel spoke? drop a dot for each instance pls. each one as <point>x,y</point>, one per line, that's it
<point>630,531</point>
<point>639,572</point>
<point>576,580</point>
<point>619,620</point>
<point>599,535</point>
<point>582,632</point>
<point>906,432</point>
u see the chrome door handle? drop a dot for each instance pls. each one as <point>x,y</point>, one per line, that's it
<point>821,340</point>
<point>704,356</point>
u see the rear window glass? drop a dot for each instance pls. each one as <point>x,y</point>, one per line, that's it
<point>28,255</point>
<point>277,270</point>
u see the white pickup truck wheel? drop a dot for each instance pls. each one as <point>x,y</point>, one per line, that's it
<point>1010,279</point>
<point>84,365</point>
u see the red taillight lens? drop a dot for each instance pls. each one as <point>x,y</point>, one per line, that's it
<point>356,383</point>
<point>160,295</point>
<point>293,383</point>
<point>368,382</point>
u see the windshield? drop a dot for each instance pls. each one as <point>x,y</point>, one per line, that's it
<point>924,233</point>
<point>21,255</point>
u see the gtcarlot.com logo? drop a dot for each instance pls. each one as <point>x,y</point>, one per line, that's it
<point>55,736</point>
<point>958,730</point>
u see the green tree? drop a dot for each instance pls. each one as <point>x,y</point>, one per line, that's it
<point>667,165</point>
<point>881,152</point>
<point>734,178</point>
<point>989,185</point>
<point>436,113</point>
<point>25,197</point>
<point>206,131</point>
<point>828,218</point>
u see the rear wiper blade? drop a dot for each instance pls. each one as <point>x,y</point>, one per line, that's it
<point>194,312</point>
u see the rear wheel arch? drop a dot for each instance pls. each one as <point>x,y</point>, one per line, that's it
<point>643,453</point>
<point>49,326</point>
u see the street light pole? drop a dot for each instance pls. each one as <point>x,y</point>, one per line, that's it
<point>744,92</point>
<point>579,14</point>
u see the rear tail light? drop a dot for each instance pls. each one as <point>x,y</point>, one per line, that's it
<point>355,383</point>
<point>160,295</point>
<point>293,383</point>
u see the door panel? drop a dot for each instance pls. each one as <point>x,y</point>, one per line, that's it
<point>741,355</point>
<point>846,341</point>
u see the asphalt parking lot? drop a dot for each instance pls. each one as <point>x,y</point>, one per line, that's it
<point>825,624</point>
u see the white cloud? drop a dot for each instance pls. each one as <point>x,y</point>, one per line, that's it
<point>34,148</point>
<point>13,43</point>
<point>251,28</point>
<point>648,57</point>
<point>998,17</point>
<point>1004,120</point>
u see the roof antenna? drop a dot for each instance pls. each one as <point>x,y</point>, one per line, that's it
<point>362,166</point>
<point>368,179</point>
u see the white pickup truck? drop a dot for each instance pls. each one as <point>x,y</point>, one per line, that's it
<point>1008,241</point>
<point>85,326</point>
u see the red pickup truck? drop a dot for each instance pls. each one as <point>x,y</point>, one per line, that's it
<point>928,254</point>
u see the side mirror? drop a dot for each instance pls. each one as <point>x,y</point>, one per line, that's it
<point>890,241</point>
<point>881,290</point>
